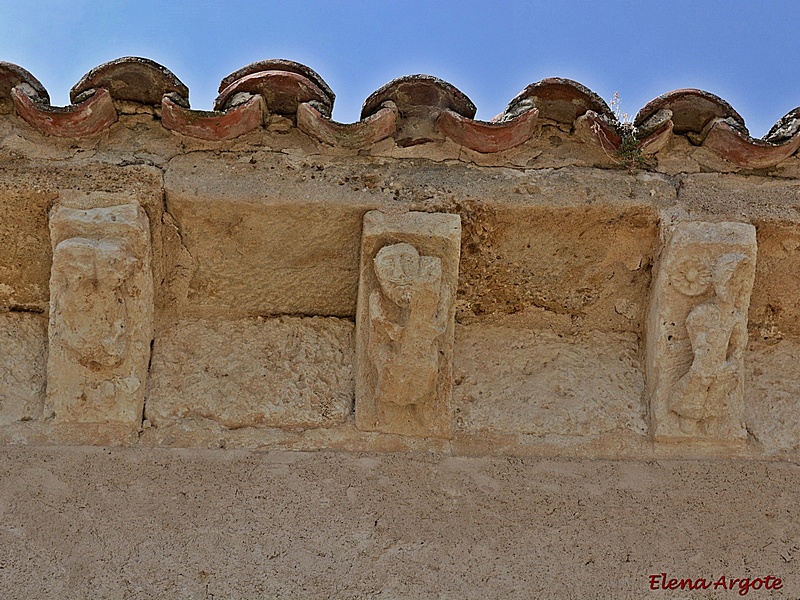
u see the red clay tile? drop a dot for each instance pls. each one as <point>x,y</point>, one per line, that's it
<point>594,128</point>
<point>283,91</point>
<point>692,110</point>
<point>786,128</point>
<point>561,100</point>
<point>488,137</point>
<point>11,76</point>
<point>76,120</point>
<point>658,139</point>
<point>732,145</point>
<point>131,78</point>
<point>213,125</point>
<point>413,93</point>
<point>373,129</point>
<point>280,64</point>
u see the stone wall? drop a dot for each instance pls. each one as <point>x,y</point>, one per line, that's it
<point>415,281</point>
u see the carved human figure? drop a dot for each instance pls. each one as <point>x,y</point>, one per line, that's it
<point>407,316</point>
<point>717,330</point>
<point>697,332</point>
<point>405,323</point>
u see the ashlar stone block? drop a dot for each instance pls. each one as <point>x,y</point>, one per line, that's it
<point>101,314</point>
<point>405,323</point>
<point>697,332</point>
<point>23,354</point>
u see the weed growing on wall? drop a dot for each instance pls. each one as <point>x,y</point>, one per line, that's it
<point>629,153</point>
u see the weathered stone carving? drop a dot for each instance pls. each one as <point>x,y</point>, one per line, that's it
<point>404,337</point>
<point>698,332</point>
<point>101,314</point>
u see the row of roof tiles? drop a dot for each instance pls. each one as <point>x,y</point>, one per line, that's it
<point>411,109</point>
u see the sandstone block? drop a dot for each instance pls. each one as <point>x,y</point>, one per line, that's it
<point>697,332</point>
<point>101,314</point>
<point>256,372</point>
<point>513,380</point>
<point>772,387</point>
<point>23,353</point>
<point>405,323</point>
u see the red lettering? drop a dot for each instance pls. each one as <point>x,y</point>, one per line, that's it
<point>755,581</point>
<point>672,585</point>
<point>720,582</point>
<point>654,582</point>
<point>684,583</point>
<point>778,584</point>
<point>767,585</point>
<point>744,586</point>
<point>701,584</point>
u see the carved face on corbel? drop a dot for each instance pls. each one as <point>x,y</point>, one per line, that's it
<point>91,306</point>
<point>397,268</point>
<point>730,273</point>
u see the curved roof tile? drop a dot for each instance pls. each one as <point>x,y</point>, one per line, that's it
<point>373,129</point>
<point>284,91</point>
<point>414,91</point>
<point>76,120</point>
<point>561,100</point>
<point>131,78</point>
<point>692,110</point>
<point>12,75</point>
<point>416,105</point>
<point>786,128</point>
<point>487,137</point>
<point>727,141</point>
<point>279,64</point>
<point>213,125</point>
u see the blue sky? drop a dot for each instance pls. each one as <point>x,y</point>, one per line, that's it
<point>745,52</point>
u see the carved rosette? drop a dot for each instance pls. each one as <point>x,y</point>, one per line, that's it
<point>101,314</point>
<point>405,323</point>
<point>697,332</point>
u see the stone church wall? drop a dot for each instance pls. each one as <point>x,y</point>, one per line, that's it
<point>264,277</point>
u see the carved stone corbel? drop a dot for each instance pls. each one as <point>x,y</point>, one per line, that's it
<point>101,314</point>
<point>697,332</point>
<point>405,323</point>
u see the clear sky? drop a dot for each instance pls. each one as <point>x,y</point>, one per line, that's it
<point>745,52</point>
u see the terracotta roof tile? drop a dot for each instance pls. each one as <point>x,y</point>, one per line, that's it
<point>76,120</point>
<point>374,128</point>
<point>282,90</point>
<point>279,64</point>
<point>727,141</point>
<point>692,110</point>
<point>131,78</point>
<point>786,128</point>
<point>598,129</point>
<point>213,125</point>
<point>561,100</point>
<point>413,92</point>
<point>11,76</point>
<point>488,137</point>
<point>413,109</point>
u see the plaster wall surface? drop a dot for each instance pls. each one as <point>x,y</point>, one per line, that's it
<point>149,523</point>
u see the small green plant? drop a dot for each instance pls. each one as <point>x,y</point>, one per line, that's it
<point>629,152</point>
